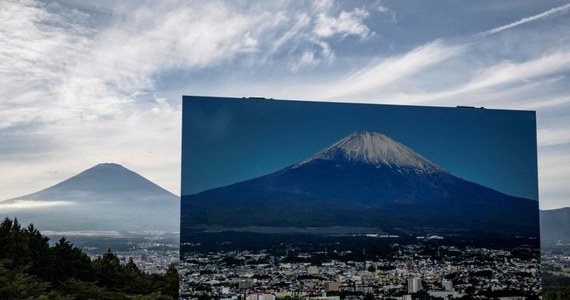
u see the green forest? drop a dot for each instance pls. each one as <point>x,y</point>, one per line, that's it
<point>32,269</point>
<point>555,287</point>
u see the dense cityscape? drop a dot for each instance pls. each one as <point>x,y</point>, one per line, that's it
<point>555,270</point>
<point>421,270</point>
<point>152,261</point>
<point>151,253</point>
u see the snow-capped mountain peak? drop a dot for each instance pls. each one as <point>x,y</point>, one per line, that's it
<point>376,149</point>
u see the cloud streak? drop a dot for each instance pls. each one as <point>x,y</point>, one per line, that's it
<point>490,83</point>
<point>553,136</point>
<point>549,13</point>
<point>18,205</point>
<point>388,71</point>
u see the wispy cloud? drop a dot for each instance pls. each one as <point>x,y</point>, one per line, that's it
<point>553,136</point>
<point>489,81</point>
<point>37,46</point>
<point>309,34</point>
<point>549,13</point>
<point>393,69</point>
<point>122,63</point>
<point>556,101</point>
<point>83,233</point>
<point>347,23</point>
<point>507,72</point>
<point>92,73</point>
<point>32,205</point>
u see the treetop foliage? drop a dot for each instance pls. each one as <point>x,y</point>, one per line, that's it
<point>31,269</point>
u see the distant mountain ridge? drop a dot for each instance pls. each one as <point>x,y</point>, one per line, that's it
<point>555,225</point>
<point>107,196</point>
<point>103,182</point>
<point>367,180</point>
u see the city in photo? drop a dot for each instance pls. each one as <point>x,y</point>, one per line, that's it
<point>311,200</point>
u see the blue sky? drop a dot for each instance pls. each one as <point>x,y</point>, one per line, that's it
<point>230,140</point>
<point>84,83</point>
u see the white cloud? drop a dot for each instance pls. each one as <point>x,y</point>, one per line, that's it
<point>393,69</point>
<point>323,5</point>
<point>306,37</point>
<point>123,61</point>
<point>82,233</point>
<point>345,24</point>
<point>507,72</point>
<point>547,103</point>
<point>553,136</point>
<point>496,84</point>
<point>308,59</point>
<point>36,43</point>
<point>553,178</point>
<point>299,24</point>
<point>549,13</point>
<point>19,205</point>
<point>37,46</point>
<point>89,74</point>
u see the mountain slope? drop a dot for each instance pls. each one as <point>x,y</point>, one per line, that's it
<point>365,179</point>
<point>374,149</point>
<point>104,182</point>
<point>555,225</point>
<point>104,197</point>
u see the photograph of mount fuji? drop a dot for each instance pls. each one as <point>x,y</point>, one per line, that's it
<point>309,199</point>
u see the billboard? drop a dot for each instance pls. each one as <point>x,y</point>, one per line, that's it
<point>311,199</point>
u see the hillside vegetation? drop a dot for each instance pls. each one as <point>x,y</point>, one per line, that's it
<point>32,269</point>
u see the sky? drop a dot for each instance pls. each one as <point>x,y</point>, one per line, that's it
<point>228,140</point>
<point>83,83</point>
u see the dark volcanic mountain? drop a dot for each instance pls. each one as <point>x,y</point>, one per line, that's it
<point>104,197</point>
<point>365,180</point>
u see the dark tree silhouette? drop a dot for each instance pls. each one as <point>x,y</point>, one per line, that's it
<point>31,269</point>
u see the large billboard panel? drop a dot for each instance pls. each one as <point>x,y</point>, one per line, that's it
<point>311,199</point>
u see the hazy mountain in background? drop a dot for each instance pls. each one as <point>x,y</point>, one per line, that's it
<point>555,225</point>
<point>367,180</point>
<point>107,196</point>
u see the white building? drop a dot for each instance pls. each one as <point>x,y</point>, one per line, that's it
<point>447,285</point>
<point>414,284</point>
<point>313,270</point>
<point>261,297</point>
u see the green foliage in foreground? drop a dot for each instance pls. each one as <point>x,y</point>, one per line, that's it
<point>555,287</point>
<point>557,294</point>
<point>31,269</point>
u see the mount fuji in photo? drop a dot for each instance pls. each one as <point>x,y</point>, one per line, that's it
<point>106,197</point>
<point>363,180</point>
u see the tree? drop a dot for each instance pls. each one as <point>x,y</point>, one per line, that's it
<point>13,244</point>
<point>136,280</point>
<point>557,294</point>
<point>31,269</point>
<point>108,271</point>
<point>87,290</point>
<point>38,251</point>
<point>17,284</point>
<point>171,282</point>
<point>69,262</point>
